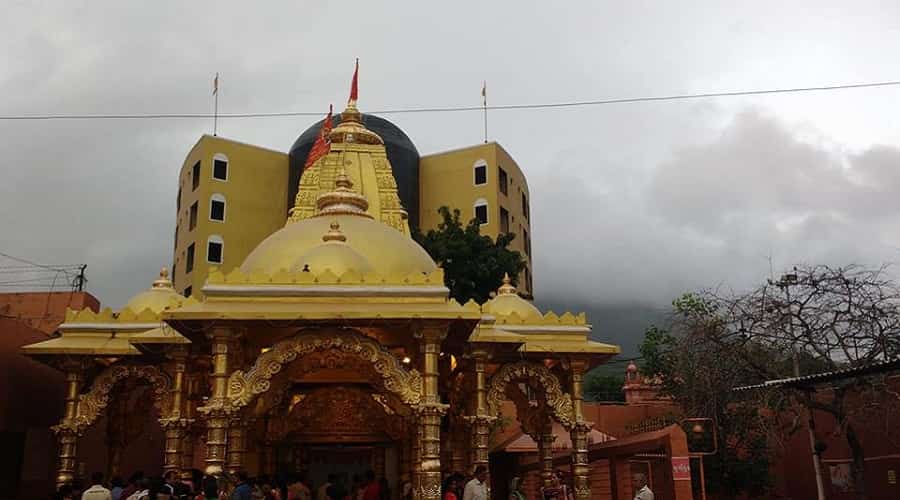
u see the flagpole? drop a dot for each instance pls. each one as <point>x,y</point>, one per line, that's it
<point>216,106</point>
<point>484,107</point>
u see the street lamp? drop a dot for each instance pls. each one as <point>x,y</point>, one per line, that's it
<point>697,435</point>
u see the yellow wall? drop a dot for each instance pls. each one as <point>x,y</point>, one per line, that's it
<point>256,205</point>
<point>448,178</point>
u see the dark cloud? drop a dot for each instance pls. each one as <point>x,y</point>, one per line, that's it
<point>631,203</point>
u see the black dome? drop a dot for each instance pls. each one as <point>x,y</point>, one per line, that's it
<point>401,152</point>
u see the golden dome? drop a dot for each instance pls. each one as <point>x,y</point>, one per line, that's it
<point>333,254</point>
<point>353,240</point>
<point>508,301</point>
<point>160,295</point>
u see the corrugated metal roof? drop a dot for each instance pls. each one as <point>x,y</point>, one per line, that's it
<point>819,378</point>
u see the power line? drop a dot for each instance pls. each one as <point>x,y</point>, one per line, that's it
<point>451,109</point>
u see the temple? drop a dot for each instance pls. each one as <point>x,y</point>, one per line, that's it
<point>333,346</point>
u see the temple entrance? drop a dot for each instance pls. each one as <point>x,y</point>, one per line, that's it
<point>346,461</point>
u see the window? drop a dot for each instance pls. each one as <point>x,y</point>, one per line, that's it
<point>188,291</point>
<point>504,220</point>
<point>189,261</point>
<point>525,206</point>
<point>176,236</point>
<point>217,207</point>
<point>481,211</point>
<point>195,176</point>
<point>503,180</point>
<point>526,280</point>
<point>214,248</point>
<point>192,222</point>
<point>178,200</point>
<point>480,172</point>
<point>527,241</point>
<point>220,167</point>
<point>174,268</point>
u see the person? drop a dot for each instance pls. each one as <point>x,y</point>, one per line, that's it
<point>242,491</point>
<point>641,490</point>
<point>117,486</point>
<point>476,489</point>
<point>336,491</point>
<point>96,491</point>
<point>65,492</point>
<point>356,491</point>
<point>297,488</point>
<point>451,487</point>
<point>384,489</point>
<point>133,484</point>
<point>210,489</point>
<point>406,490</point>
<point>322,491</point>
<point>515,491</point>
<point>142,490</point>
<point>372,490</point>
<point>558,490</point>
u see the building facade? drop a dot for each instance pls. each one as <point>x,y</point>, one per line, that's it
<point>233,195</point>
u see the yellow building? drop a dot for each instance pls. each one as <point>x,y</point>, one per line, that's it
<point>231,196</point>
<point>222,217</point>
<point>484,183</point>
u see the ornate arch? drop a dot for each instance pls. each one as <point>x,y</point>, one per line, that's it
<point>94,402</point>
<point>243,387</point>
<point>558,402</point>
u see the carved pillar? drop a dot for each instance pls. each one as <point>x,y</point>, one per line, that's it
<point>68,430</point>
<point>458,454</point>
<point>545,452</point>
<point>430,412</point>
<point>187,440</point>
<point>416,456</point>
<point>579,433</point>
<point>174,423</point>
<point>217,409</point>
<point>237,434</point>
<point>481,421</point>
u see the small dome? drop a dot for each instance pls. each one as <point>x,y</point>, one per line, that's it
<point>160,296</point>
<point>508,301</point>
<point>333,254</point>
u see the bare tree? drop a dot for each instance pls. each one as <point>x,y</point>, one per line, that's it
<point>817,319</point>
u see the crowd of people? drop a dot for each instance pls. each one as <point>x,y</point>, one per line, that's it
<point>296,487</point>
<point>228,487</point>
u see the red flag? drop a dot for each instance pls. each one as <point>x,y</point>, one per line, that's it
<point>322,146</point>
<point>353,86</point>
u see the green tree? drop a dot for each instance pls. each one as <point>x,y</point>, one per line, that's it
<point>699,375</point>
<point>474,264</point>
<point>599,386</point>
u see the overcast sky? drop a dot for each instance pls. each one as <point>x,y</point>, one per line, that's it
<point>630,202</point>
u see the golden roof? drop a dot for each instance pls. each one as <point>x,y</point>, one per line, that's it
<point>507,302</point>
<point>160,296</point>
<point>367,246</point>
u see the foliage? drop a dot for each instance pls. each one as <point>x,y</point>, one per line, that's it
<point>599,386</point>
<point>473,264</point>
<point>699,375</point>
<point>813,319</point>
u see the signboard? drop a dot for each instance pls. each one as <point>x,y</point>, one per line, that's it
<point>681,468</point>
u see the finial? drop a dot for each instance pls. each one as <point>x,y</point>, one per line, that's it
<point>507,288</point>
<point>343,200</point>
<point>163,281</point>
<point>335,233</point>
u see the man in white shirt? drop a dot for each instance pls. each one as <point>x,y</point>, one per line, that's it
<point>641,490</point>
<point>477,489</point>
<point>97,491</point>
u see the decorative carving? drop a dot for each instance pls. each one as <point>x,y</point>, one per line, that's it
<point>338,411</point>
<point>244,387</point>
<point>92,403</point>
<point>558,403</point>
